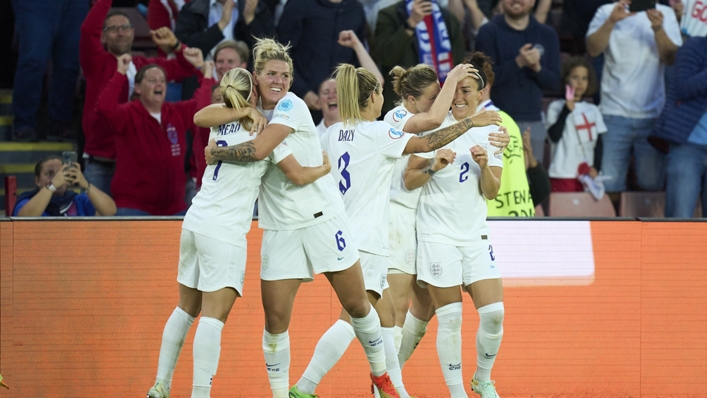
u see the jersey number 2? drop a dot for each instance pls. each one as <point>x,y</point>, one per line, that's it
<point>218,165</point>
<point>345,183</point>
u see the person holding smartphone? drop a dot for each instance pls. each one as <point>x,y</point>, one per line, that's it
<point>53,198</point>
<point>636,46</point>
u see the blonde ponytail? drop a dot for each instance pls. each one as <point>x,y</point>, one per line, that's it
<point>236,87</point>
<point>354,87</point>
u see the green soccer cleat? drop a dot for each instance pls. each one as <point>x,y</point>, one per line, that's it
<point>294,393</point>
<point>158,391</point>
<point>487,389</point>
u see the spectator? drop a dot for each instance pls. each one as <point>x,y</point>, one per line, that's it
<point>328,102</point>
<point>114,30</point>
<point>228,55</point>
<point>149,176</point>
<point>526,58</point>
<point>163,13</point>
<point>312,28</point>
<point>693,19</point>
<point>206,23</point>
<point>46,29</point>
<point>576,129</point>
<point>683,124</point>
<point>513,198</point>
<point>53,198</point>
<point>636,48</point>
<point>399,34</point>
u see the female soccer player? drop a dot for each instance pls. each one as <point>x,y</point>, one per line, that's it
<point>213,243</point>
<point>366,151</point>
<point>306,228</point>
<point>454,247</point>
<point>423,107</point>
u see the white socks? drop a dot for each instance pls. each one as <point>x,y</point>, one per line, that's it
<point>449,347</point>
<point>368,331</point>
<point>276,348</point>
<point>413,330</point>
<point>330,348</point>
<point>175,331</point>
<point>488,339</point>
<point>398,333</point>
<point>391,361</point>
<point>207,350</point>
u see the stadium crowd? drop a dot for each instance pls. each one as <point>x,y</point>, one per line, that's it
<point>609,99</point>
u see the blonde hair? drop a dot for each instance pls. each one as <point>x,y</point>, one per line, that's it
<point>412,81</point>
<point>236,86</point>
<point>269,50</point>
<point>354,88</point>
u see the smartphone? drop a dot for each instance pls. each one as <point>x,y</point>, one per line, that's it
<point>68,158</point>
<point>641,5</point>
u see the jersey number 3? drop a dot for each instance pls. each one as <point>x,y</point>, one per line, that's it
<point>218,165</point>
<point>345,182</point>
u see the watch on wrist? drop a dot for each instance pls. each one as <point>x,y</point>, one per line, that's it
<point>51,187</point>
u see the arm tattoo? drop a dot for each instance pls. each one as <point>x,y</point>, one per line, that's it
<point>443,137</point>
<point>243,152</point>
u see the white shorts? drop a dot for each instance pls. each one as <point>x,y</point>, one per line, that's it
<point>209,264</point>
<point>403,240</point>
<point>443,265</point>
<point>375,272</point>
<point>302,253</point>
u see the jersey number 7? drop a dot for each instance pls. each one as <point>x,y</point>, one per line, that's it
<point>218,165</point>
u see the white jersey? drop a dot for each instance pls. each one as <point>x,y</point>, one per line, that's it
<point>223,208</point>
<point>582,129</point>
<point>363,157</point>
<point>397,117</point>
<point>283,205</point>
<point>452,209</point>
<point>694,20</point>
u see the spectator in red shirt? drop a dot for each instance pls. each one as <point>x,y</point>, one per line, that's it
<point>105,36</point>
<point>150,139</point>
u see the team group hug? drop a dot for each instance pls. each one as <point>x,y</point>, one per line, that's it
<point>392,212</point>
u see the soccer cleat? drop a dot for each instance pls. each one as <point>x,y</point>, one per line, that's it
<point>158,391</point>
<point>294,393</point>
<point>385,387</point>
<point>486,389</point>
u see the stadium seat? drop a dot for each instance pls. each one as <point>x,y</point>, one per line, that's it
<point>579,204</point>
<point>10,194</point>
<point>642,204</point>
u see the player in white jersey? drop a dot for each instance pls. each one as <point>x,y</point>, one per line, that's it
<point>213,243</point>
<point>423,107</point>
<point>454,247</point>
<point>366,152</point>
<point>306,228</point>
